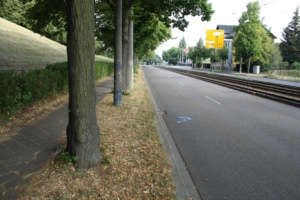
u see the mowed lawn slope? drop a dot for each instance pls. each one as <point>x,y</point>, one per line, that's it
<point>21,48</point>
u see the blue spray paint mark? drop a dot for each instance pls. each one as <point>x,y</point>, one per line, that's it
<point>118,97</point>
<point>182,119</point>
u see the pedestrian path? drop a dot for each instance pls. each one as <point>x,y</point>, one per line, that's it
<point>26,152</point>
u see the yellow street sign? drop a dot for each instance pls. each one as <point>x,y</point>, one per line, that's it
<point>215,39</point>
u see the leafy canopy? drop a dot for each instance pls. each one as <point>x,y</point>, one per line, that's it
<point>252,40</point>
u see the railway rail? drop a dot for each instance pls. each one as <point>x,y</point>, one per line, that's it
<point>277,92</point>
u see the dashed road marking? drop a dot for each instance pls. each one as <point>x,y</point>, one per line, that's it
<point>180,83</point>
<point>213,100</point>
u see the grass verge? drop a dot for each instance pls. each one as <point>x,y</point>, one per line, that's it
<point>135,165</point>
<point>279,77</point>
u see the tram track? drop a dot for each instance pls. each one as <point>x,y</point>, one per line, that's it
<point>277,92</point>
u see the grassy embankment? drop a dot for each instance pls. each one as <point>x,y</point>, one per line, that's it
<point>23,49</point>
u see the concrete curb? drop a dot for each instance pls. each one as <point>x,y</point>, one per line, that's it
<point>185,188</point>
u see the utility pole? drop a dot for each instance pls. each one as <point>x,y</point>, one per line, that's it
<point>229,54</point>
<point>118,55</point>
<point>130,66</point>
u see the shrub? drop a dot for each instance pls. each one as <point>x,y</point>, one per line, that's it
<point>20,90</point>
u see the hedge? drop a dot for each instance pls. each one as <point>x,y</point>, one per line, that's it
<point>19,90</point>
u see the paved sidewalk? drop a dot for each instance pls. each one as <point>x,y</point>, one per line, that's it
<point>28,151</point>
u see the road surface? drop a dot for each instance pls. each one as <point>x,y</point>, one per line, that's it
<point>235,145</point>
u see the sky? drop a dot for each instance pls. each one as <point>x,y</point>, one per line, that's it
<point>277,15</point>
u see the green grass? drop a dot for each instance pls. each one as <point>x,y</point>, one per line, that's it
<point>23,49</point>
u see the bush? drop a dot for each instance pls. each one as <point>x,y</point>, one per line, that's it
<point>295,65</point>
<point>103,69</point>
<point>20,90</point>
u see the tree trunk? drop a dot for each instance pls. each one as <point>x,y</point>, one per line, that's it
<point>118,55</point>
<point>125,20</point>
<point>129,78</point>
<point>83,135</point>
<point>241,64</point>
<point>222,61</point>
<point>249,61</point>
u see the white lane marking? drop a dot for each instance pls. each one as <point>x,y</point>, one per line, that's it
<point>180,83</point>
<point>213,100</point>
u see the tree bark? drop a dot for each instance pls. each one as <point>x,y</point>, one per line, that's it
<point>83,135</point>
<point>118,55</point>
<point>129,78</point>
<point>249,61</point>
<point>241,64</point>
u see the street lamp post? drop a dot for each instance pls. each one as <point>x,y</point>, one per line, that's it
<point>229,54</point>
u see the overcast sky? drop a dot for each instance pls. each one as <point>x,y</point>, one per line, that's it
<point>276,13</point>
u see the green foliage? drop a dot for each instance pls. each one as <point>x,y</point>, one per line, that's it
<point>148,34</point>
<point>215,57</point>
<point>103,69</point>
<point>199,63</point>
<point>199,52</point>
<point>48,18</point>
<point>182,43</point>
<point>252,41</point>
<point>290,44</point>
<point>19,90</point>
<point>275,58</point>
<point>171,55</point>
<point>172,13</point>
<point>223,53</point>
<point>152,21</point>
<point>295,65</point>
<point>15,11</point>
<point>151,57</point>
<point>66,157</point>
<point>136,68</point>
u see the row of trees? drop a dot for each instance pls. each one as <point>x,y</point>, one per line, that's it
<point>253,44</point>
<point>107,21</point>
<point>197,54</point>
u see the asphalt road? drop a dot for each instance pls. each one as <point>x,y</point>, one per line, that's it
<point>235,145</point>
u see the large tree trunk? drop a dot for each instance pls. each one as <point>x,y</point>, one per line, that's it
<point>129,78</point>
<point>83,135</point>
<point>118,55</point>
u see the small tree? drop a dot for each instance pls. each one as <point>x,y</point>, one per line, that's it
<point>215,57</point>
<point>223,54</point>
<point>182,45</point>
<point>199,52</point>
<point>248,41</point>
<point>275,58</point>
<point>290,42</point>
